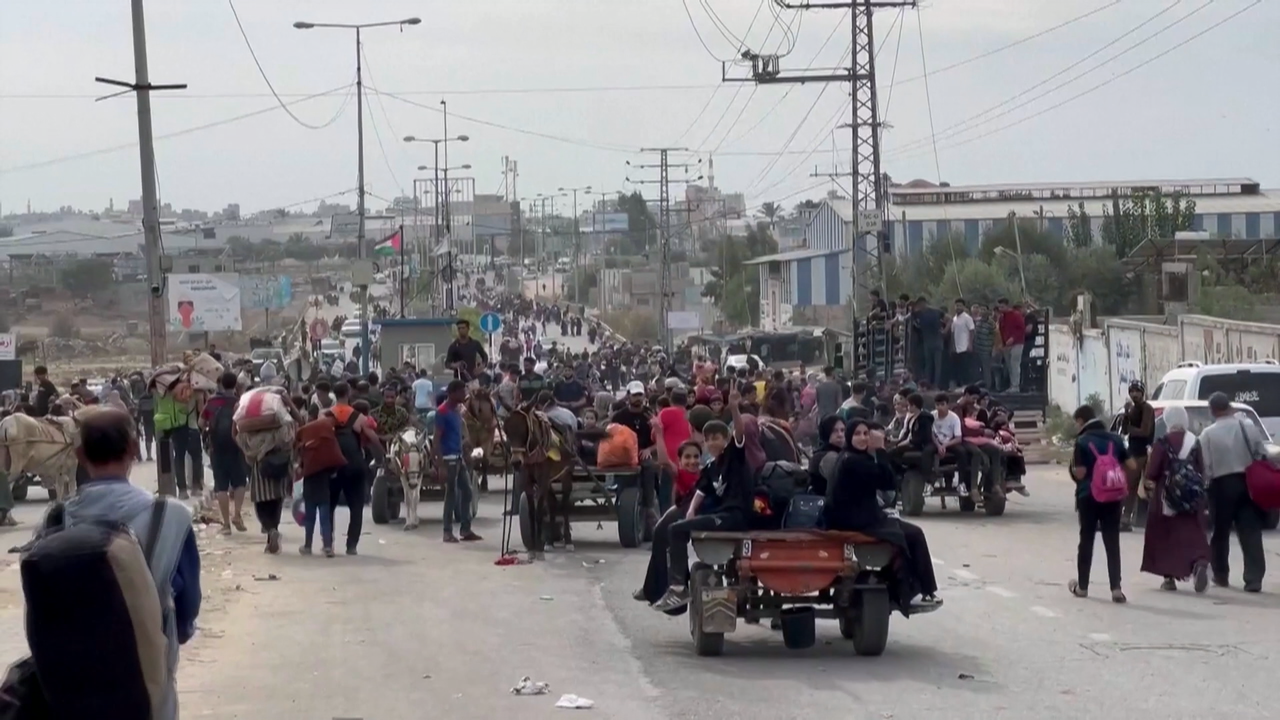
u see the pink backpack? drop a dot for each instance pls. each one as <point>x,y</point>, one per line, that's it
<point>1109,483</point>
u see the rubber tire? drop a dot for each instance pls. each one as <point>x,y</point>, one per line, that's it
<point>967,504</point>
<point>705,644</point>
<point>846,626</point>
<point>526,523</point>
<point>631,518</point>
<point>1270,519</point>
<point>20,491</point>
<point>871,628</point>
<point>475,494</point>
<point>913,493</point>
<point>993,505</point>
<point>380,501</point>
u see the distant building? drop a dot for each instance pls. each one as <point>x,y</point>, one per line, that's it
<point>135,208</point>
<point>231,212</point>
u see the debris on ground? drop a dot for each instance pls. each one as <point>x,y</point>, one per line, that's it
<point>573,702</point>
<point>264,578</point>
<point>527,686</point>
<point>546,598</point>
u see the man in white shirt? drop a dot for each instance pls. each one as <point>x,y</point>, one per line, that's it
<point>946,437</point>
<point>962,343</point>
<point>423,392</point>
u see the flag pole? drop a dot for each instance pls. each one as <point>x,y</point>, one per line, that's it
<point>402,270</point>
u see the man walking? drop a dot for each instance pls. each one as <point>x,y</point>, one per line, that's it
<point>451,466</point>
<point>1228,447</point>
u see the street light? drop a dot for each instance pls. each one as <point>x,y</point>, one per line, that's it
<point>577,241</point>
<point>466,166</point>
<point>360,248</point>
<point>442,198</point>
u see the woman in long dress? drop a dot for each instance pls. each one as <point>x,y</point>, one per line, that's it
<point>1174,546</point>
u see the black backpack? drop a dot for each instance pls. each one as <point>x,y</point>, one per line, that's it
<point>222,437</point>
<point>781,481</point>
<point>347,440</point>
<point>94,621</point>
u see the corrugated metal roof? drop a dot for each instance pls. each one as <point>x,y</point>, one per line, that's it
<point>793,255</point>
<point>1266,201</point>
<point>1069,186</point>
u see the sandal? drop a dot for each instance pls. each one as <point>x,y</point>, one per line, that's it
<point>1074,587</point>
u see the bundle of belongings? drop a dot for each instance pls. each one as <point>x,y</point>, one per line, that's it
<point>264,425</point>
<point>196,373</point>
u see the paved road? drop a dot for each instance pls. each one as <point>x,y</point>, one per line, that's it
<point>414,628</point>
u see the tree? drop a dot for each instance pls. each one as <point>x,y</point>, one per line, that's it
<point>1028,239</point>
<point>579,284</point>
<point>772,212</point>
<point>1078,229</point>
<point>1146,216</point>
<point>641,225</point>
<point>88,277</point>
<point>734,287</point>
<point>239,245</point>
<point>805,205</point>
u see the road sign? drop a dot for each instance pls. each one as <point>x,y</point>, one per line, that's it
<point>870,221</point>
<point>8,346</point>
<point>319,329</point>
<point>490,323</point>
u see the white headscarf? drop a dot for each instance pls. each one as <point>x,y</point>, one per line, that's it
<point>1175,418</point>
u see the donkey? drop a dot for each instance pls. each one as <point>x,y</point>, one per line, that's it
<point>546,456</point>
<point>40,446</point>
<point>480,417</point>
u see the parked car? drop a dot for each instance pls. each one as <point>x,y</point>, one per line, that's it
<point>1254,384</point>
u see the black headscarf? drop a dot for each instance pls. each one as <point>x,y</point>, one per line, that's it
<point>817,479</point>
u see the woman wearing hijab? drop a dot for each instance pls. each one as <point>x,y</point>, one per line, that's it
<point>853,505</point>
<point>1174,545</point>
<point>826,458</point>
<point>115,401</point>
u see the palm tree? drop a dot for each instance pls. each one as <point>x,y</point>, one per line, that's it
<point>772,212</point>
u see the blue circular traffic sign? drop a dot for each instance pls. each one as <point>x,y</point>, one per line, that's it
<point>490,323</point>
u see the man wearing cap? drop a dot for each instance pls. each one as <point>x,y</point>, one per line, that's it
<point>637,416</point>
<point>1228,447</point>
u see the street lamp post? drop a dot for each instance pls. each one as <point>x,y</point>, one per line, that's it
<point>360,248</point>
<point>446,298</point>
<point>577,241</point>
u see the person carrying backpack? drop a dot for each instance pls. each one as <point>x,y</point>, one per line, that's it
<point>1100,466</point>
<point>353,434</point>
<point>1174,545</point>
<point>104,643</point>
<point>230,473</point>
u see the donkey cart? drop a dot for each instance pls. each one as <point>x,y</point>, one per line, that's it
<point>600,495</point>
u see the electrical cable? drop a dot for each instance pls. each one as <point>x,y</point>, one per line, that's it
<point>697,32</point>
<point>960,127</point>
<point>1108,81</point>
<point>372,121</point>
<point>500,126</point>
<point>176,133</point>
<point>698,117</point>
<point>283,105</point>
<point>897,50</point>
<point>937,164</point>
<point>1016,43</point>
<point>410,93</point>
<point>737,91</point>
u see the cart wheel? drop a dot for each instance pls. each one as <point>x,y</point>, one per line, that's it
<point>871,625</point>
<point>705,644</point>
<point>846,625</point>
<point>475,495</point>
<point>526,522</point>
<point>967,504</point>
<point>630,518</point>
<point>20,488</point>
<point>380,502</point>
<point>993,503</point>
<point>913,493</point>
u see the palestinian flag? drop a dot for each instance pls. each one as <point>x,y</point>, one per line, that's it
<point>390,246</point>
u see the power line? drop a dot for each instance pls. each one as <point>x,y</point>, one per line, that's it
<point>178,133</point>
<point>500,126</point>
<point>937,163</point>
<point>1109,80</point>
<point>1016,43</point>
<point>283,105</point>
<point>372,121</point>
<point>701,112</point>
<point>960,127</point>
<point>698,32</point>
<point>407,93</point>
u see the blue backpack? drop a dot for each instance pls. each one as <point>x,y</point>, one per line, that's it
<point>1184,487</point>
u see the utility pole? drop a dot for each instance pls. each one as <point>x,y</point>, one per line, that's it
<point>157,330</point>
<point>578,275</point>
<point>866,240</point>
<point>663,182</point>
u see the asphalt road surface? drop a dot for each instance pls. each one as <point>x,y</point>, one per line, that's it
<point>415,628</point>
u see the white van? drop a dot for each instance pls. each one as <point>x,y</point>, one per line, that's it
<point>1254,384</point>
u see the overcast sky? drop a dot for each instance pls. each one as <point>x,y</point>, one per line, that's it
<point>1206,109</point>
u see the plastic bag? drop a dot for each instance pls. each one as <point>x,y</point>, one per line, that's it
<point>298,507</point>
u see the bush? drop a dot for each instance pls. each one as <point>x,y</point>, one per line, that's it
<point>63,326</point>
<point>4,323</point>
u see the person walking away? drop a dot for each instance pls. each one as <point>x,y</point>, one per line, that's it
<point>172,421</point>
<point>230,474</point>
<point>320,457</point>
<point>352,432</point>
<point>828,393</point>
<point>320,401</point>
<point>1174,546</point>
<point>984,345</point>
<point>1099,456</point>
<point>1228,447</point>
<point>928,323</point>
<point>1013,333</point>
<point>962,332</point>
<point>423,389</point>
<point>1139,425</point>
<point>145,404</point>
<point>107,447</point>
<point>451,466</point>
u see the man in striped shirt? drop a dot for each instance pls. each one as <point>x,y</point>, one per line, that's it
<point>985,340</point>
